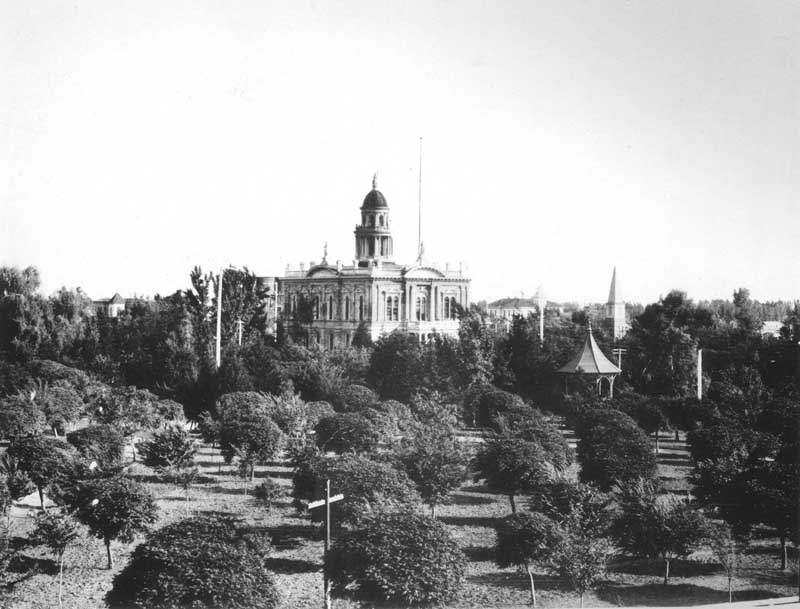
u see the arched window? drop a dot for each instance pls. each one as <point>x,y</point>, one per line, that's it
<point>316,307</point>
<point>421,309</point>
<point>347,307</point>
<point>360,308</point>
<point>396,308</point>
<point>330,308</point>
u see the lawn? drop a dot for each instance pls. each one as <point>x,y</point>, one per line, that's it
<point>296,559</point>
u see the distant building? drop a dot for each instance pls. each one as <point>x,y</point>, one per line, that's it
<point>374,292</point>
<point>614,320</point>
<point>772,328</point>
<point>112,307</point>
<point>502,311</point>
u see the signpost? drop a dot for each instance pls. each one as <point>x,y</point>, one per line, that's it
<point>327,503</point>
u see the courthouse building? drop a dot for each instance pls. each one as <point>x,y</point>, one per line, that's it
<point>419,298</point>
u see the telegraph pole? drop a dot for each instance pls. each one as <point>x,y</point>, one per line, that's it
<point>219,318</point>
<point>326,585</point>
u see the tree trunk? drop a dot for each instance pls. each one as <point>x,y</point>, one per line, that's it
<point>783,552</point>
<point>433,510</point>
<point>677,439</point>
<point>730,587</point>
<point>108,554</point>
<point>60,579</point>
<point>666,571</point>
<point>55,431</point>
<point>533,587</point>
<point>41,497</point>
<point>513,503</point>
<point>581,600</point>
<point>658,437</point>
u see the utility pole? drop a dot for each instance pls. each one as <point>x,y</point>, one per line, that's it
<point>219,318</point>
<point>618,351</point>
<point>419,215</point>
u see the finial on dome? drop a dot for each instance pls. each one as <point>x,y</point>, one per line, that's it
<point>325,254</point>
<point>375,181</point>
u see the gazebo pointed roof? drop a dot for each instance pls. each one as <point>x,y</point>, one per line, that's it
<point>589,360</point>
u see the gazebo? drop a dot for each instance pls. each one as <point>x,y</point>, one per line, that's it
<point>591,362</point>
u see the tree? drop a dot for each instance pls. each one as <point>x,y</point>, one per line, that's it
<point>169,450</point>
<point>397,367</point>
<point>524,540</point>
<point>728,549</point>
<point>116,508</point>
<point>368,486</point>
<point>61,405</point>
<point>57,532</point>
<point>579,553</point>
<point>355,398</point>
<point>654,525</point>
<point>19,416</point>
<point>512,466</point>
<point>101,443</point>
<point>252,436</point>
<point>205,562</point>
<point>347,431</point>
<point>130,410</point>
<point>490,402</point>
<point>562,497</point>
<point>48,462</point>
<point>612,448</point>
<point>437,464</point>
<point>399,557</point>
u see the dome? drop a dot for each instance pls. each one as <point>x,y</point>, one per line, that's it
<point>374,198</point>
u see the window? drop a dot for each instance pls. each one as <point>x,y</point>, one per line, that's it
<point>422,312</point>
<point>391,307</point>
<point>330,308</point>
<point>347,307</point>
<point>450,307</point>
<point>316,307</point>
<point>360,308</point>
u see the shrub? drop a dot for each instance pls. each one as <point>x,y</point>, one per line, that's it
<point>399,557</point>
<point>101,443</point>
<point>171,448</point>
<point>528,423</point>
<point>367,486</point>
<point>268,492</point>
<point>613,449</point>
<point>346,431</point>
<point>203,562</point>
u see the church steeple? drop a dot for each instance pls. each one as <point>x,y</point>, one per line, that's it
<point>615,310</point>
<point>373,237</point>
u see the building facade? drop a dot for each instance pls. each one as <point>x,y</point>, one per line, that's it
<point>374,292</point>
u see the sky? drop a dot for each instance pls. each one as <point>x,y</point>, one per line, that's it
<point>141,138</point>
